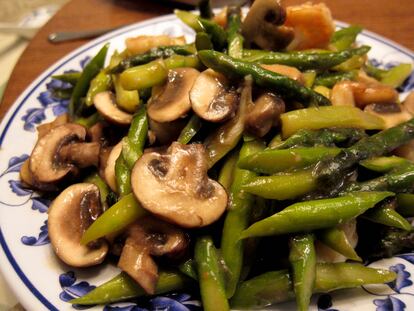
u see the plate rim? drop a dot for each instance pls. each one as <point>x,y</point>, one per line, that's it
<point>19,283</point>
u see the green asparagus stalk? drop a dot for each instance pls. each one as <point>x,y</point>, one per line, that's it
<point>306,60</point>
<point>210,277</point>
<point>123,287</point>
<point>285,86</point>
<point>281,186</point>
<point>276,286</point>
<point>336,239</point>
<point>387,216</point>
<point>331,172</point>
<point>384,164</point>
<point>302,258</point>
<point>344,38</point>
<point>234,37</point>
<point>237,220</point>
<point>316,214</point>
<point>326,117</point>
<point>153,54</point>
<point>330,79</point>
<point>118,217</point>
<point>190,130</point>
<point>322,137</point>
<point>271,161</point>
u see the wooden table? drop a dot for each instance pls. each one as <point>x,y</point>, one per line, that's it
<point>392,19</point>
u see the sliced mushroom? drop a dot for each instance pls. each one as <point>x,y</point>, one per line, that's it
<point>166,132</point>
<point>45,163</point>
<point>212,98</point>
<point>264,114</point>
<point>45,128</point>
<point>174,185</point>
<point>106,105</point>
<point>263,25</point>
<point>172,101</point>
<point>409,103</point>
<point>81,154</point>
<point>109,171</point>
<point>288,71</point>
<point>70,214</point>
<point>392,114</point>
<point>406,151</point>
<point>361,94</point>
<point>150,237</point>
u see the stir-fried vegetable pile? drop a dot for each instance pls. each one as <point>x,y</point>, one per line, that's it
<point>266,160</point>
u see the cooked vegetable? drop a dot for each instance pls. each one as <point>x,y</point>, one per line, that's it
<point>271,161</point>
<point>269,132</point>
<point>122,287</point>
<point>118,217</point>
<point>237,219</point>
<point>302,258</point>
<point>323,117</point>
<point>276,286</point>
<point>305,60</point>
<point>332,171</point>
<point>194,200</point>
<point>210,277</point>
<point>322,137</point>
<point>283,85</point>
<point>153,54</point>
<point>89,72</point>
<point>318,214</point>
<point>70,214</point>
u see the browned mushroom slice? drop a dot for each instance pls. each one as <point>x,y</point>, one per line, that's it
<point>288,71</point>
<point>172,101</point>
<point>105,104</point>
<point>70,214</point>
<point>409,103</point>
<point>81,154</point>
<point>109,171</point>
<point>264,114</point>
<point>150,237</point>
<point>174,185</point>
<point>45,128</point>
<point>212,98</point>
<point>262,25</point>
<point>392,114</point>
<point>165,132</point>
<point>45,164</point>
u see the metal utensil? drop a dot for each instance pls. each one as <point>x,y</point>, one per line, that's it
<point>63,36</point>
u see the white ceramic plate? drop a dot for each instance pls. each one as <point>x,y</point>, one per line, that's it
<point>42,282</point>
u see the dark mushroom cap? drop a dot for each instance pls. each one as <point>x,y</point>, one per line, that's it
<point>149,237</point>
<point>70,214</point>
<point>263,25</point>
<point>174,185</point>
<point>45,163</point>
<point>172,101</point>
<point>264,114</point>
<point>212,98</point>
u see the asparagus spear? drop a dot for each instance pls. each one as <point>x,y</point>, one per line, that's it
<point>331,173</point>
<point>123,287</point>
<point>317,214</point>
<point>285,86</point>
<point>276,286</point>
<point>234,38</point>
<point>303,261</point>
<point>210,277</point>
<point>237,219</point>
<point>154,53</point>
<point>306,60</point>
<point>322,137</point>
